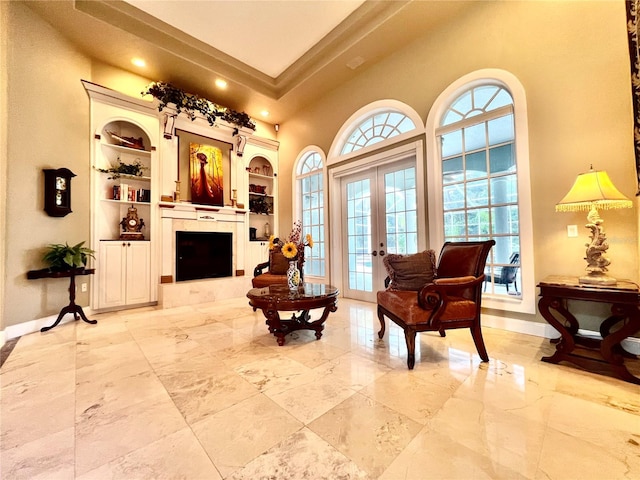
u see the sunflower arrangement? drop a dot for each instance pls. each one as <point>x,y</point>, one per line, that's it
<point>292,247</point>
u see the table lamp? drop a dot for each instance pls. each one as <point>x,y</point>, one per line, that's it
<point>592,191</point>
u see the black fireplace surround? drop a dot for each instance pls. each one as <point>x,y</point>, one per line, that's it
<point>203,255</point>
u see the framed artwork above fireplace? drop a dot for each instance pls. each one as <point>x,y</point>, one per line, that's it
<point>199,162</point>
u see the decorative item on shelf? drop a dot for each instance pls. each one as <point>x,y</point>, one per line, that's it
<point>129,142</point>
<point>191,104</point>
<point>267,230</point>
<point>136,169</point>
<point>256,170</point>
<point>166,198</point>
<point>261,205</point>
<point>293,246</point>
<point>590,191</point>
<point>132,225</point>
<point>293,275</point>
<point>176,195</point>
<point>57,191</point>
<point>234,197</point>
<point>266,170</point>
<point>261,189</point>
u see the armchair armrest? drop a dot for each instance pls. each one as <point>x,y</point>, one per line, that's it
<point>258,270</point>
<point>433,295</point>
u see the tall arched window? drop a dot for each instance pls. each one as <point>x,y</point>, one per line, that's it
<point>310,191</point>
<point>481,182</point>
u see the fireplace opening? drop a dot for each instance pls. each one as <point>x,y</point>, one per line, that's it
<point>203,255</point>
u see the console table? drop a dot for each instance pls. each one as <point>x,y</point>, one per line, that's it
<point>601,355</point>
<point>72,307</point>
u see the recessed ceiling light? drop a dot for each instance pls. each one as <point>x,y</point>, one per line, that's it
<point>220,83</point>
<point>264,113</point>
<point>138,62</point>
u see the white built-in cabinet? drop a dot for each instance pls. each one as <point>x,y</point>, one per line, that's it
<point>129,272</point>
<point>125,273</point>
<point>124,268</point>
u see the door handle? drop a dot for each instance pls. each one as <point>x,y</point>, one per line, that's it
<point>382,253</point>
<point>374,253</point>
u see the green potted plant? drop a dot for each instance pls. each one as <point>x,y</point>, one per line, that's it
<point>134,170</point>
<point>63,257</point>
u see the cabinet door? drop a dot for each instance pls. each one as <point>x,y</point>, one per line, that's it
<point>111,274</point>
<point>258,253</point>
<point>138,277</point>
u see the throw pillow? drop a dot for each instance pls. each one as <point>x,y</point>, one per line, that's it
<point>410,272</point>
<point>278,263</point>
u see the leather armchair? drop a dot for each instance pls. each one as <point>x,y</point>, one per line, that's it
<point>271,272</point>
<point>452,300</point>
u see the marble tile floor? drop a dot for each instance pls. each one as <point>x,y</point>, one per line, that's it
<point>204,392</point>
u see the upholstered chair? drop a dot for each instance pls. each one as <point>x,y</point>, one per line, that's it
<point>451,299</point>
<point>271,272</point>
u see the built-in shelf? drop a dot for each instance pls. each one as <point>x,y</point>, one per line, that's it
<point>128,150</point>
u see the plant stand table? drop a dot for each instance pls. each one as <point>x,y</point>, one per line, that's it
<point>308,296</point>
<point>601,355</point>
<point>72,307</point>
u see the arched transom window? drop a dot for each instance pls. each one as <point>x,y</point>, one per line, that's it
<point>310,187</point>
<point>376,128</point>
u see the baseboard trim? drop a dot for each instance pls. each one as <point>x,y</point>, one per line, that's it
<point>32,326</point>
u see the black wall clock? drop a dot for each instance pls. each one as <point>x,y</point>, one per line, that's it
<point>57,191</point>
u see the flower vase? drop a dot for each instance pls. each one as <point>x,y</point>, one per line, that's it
<point>293,276</point>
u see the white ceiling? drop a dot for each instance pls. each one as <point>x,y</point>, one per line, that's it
<point>267,35</point>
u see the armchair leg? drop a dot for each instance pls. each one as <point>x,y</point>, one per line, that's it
<point>382,324</point>
<point>442,332</point>
<point>410,337</point>
<point>476,333</point>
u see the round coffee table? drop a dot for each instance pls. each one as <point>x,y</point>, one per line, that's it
<point>278,298</point>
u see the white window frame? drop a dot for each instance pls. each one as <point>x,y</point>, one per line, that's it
<point>362,114</point>
<point>298,202</point>
<point>526,303</point>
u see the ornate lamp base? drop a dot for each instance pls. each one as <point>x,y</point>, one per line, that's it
<point>597,279</point>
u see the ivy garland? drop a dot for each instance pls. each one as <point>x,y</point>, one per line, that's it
<point>190,104</point>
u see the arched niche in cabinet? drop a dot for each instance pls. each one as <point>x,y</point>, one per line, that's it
<point>124,167</point>
<point>262,189</point>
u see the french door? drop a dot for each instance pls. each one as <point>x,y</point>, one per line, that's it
<point>379,216</point>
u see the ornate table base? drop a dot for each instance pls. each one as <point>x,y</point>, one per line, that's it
<point>601,355</point>
<point>277,298</point>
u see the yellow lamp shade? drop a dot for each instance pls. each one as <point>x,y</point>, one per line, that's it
<point>593,189</point>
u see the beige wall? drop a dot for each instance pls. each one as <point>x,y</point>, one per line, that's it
<point>572,59</point>
<point>48,121</point>
<point>4,24</point>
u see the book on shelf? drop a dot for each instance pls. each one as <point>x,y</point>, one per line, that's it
<point>124,193</point>
<point>143,195</point>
